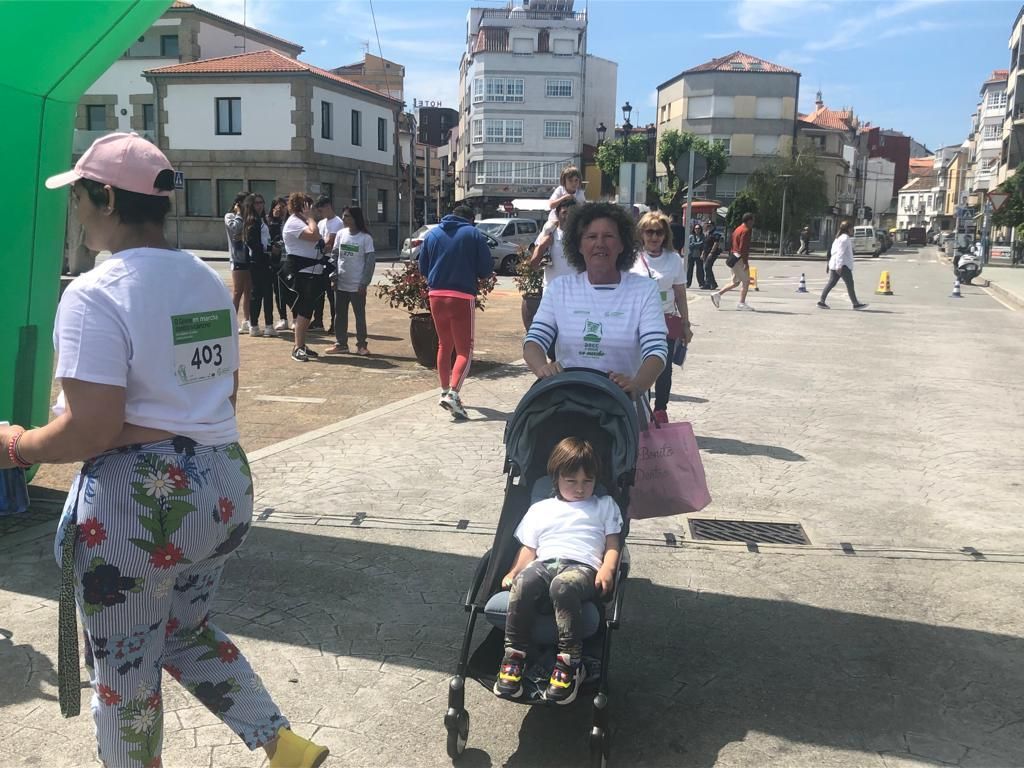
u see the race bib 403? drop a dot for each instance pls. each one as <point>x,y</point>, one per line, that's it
<point>203,346</point>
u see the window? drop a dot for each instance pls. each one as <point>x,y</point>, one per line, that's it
<point>497,89</point>
<point>198,197</point>
<point>722,141</point>
<point>148,117</point>
<point>478,131</point>
<point>818,142</point>
<point>698,107</point>
<point>96,117</point>
<point>516,172</point>
<point>997,99</point>
<point>526,227</point>
<point>522,45</point>
<point>563,47</point>
<point>355,195</point>
<point>769,108</point>
<point>169,46</point>
<point>991,132</point>
<point>559,89</point>
<point>327,190</point>
<point>226,191</point>
<point>326,120</point>
<point>502,132</point>
<point>557,129</point>
<point>664,113</point>
<point>730,184</point>
<point>357,128</point>
<point>478,90</point>
<point>267,189</point>
<point>382,134</point>
<point>766,145</point>
<point>229,117</point>
<point>382,205</point>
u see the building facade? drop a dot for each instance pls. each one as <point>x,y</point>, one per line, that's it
<point>530,98</point>
<point>831,134</point>
<point>747,104</point>
<point>1011,152</point>
<point>921,202</point>
<point>986,135</point>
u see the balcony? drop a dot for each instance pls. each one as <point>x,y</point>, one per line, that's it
<point>83,139</point>
<point>523,15</point>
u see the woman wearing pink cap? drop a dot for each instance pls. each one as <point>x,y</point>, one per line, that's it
<point>147,359</point>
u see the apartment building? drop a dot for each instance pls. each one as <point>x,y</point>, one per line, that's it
<point>986,135</point>
<point>1011,152</point>
<point>530,100</point>
<point>832,135</point>
<point>738,100</point>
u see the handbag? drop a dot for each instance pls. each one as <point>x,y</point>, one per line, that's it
<point>731,259</point>
<point>669,477</point>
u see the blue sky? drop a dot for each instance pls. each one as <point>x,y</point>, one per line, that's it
<point>911,65</point>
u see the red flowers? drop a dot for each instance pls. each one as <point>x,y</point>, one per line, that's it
<point>153,701</point>
<point>227,651</point>
<point>171,627</point>
<point>166,556</point>
<point>92,531</point>
<point>108,695</point>
<point>177,476</point>
<point>226,508</point>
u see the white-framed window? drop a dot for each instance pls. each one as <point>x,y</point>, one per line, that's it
<point>709,106</point>
<point>997,99</point>
<point>498,89</point>
<point>768,108</point>
<point>730,184</point>
<point>557,129</point>
<point>515,172</point>
<point>724,141</point>
<point>501,131</point>
<point>766,144</point>
<point>991,131</point>
<point>563,46</point>
<point>522,46</point>
<point>478,131</point>
<point>559,89</point>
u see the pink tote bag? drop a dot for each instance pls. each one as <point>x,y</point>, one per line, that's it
<point>669,473</point>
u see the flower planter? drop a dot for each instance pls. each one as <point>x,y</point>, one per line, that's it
<point>530,304</point>
<point>424,338</point>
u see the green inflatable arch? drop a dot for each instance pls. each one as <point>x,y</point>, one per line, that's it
<point>54,51</point>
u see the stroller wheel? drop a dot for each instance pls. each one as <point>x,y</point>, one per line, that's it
<point>458,736</point>
<point>600,746</point>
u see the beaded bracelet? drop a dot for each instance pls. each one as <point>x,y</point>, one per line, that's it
<point>12,451</point>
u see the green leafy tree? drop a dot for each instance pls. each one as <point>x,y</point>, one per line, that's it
<point>610,155</point>
<point>806,192</point>
<point>673,153</point>
<point>1012,212</point>
<point>742,204</point>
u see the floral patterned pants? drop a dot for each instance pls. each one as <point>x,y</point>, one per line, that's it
<point>155,525</point>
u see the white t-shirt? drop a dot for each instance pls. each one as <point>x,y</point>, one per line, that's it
<point>350,251</point>
<point>556,254</point>
<point>668,269</point>
<point>560,192</point>
<point>330,227</point>
<point>290,232</point>
<point>570,530</point>
<point>841,253</point>
<point>160,324</point>
<point>606,328</point>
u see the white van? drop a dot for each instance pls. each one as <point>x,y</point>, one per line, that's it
<point>865,243</point>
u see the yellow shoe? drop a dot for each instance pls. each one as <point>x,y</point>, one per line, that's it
<point>293,751</point>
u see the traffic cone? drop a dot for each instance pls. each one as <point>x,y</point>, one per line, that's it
<point>956,289</point>
<point>884,285</point>
<point>803,284</point>
<point>753,279</point>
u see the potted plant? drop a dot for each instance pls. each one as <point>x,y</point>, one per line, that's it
<point>405,288</point>
<point>530,282</point>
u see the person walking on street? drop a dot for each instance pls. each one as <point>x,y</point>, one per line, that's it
<point>840,265</point>
<point>355,260</point>
<point>329,224</point>
<point>454,257</point>
<point>147,362</point>
<point>805,242</point>
<point>712,250</point>
<point>241,280</point>
<point>693,260</point>
<point>256,235</point>
<point>739,262</point>
<point>301,246</point>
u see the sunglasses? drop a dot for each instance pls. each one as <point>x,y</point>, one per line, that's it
<point>654,232</point>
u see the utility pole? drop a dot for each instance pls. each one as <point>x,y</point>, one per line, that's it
<point>412,174</point>
<point>782,225</point>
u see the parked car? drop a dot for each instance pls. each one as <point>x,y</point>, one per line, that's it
<point>917,236</point>
<point>505,255</point>
<point>520,231</point>
<point>865,241</point>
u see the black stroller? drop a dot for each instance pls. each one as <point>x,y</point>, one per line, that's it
<point>577,403</point>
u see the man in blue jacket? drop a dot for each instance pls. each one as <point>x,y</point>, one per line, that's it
<point>454,257</point>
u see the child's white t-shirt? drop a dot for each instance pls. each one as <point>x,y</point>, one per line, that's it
<point>570,530</point>
<point>350,249</point>
<point>560,192</point>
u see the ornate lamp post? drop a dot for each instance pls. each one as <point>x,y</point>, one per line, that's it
<point>601,131</point>
<point>627,127</point>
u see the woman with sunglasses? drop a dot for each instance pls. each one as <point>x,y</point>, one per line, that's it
<point>656,260</point>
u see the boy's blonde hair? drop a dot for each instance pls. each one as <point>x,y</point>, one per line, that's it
<point>568,172</point>
<point>570,456</point>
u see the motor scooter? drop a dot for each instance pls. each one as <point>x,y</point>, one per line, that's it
<point>967,263</point>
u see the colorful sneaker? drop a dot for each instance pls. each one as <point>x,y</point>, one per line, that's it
<point>453,403</point>
<point>299,355</point>
<point>716,299</point>
<point>509,684</point>
<point>310,353</point>
<point>659,416</point>
<point>566,678</point>
<point>293,751</point>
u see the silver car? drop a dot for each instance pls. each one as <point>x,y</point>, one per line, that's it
<point>506,255</point>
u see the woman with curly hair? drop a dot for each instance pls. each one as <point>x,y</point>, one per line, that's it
<point>603,317</point>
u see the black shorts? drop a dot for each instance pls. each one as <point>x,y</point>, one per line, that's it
<point>308,290</point>
<point>239,266</point>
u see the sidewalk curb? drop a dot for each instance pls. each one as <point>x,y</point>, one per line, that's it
<point>1006,295</point>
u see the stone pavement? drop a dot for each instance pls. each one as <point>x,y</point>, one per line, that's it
<point>893,639</point>
<point>1006,283</point>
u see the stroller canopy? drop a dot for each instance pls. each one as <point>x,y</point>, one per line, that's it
<point>566,397</point>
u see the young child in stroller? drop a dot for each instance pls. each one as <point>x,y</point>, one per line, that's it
<point>570,550</point>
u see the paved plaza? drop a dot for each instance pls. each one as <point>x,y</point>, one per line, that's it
<point>895,638</point>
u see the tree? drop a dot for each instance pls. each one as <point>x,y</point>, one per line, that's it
<point>1011,214</point>
<point>609,155</point>
<point>673,153</point>
<point>742,204</point>
<point>806,192</point>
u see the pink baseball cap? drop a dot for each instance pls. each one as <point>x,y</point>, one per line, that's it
<point>123,160</point>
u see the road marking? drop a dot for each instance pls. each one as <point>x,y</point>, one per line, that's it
<point>1008,306</point>
<point>291,399</point>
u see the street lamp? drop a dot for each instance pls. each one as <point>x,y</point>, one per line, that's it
<point>601,131</point>
<point>627,127</point>
<point>782,225</point>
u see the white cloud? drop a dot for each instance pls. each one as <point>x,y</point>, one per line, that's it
<point>426,84</point>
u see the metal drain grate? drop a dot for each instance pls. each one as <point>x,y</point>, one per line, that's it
<point>747,531</point>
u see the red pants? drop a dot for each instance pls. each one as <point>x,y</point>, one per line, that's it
<point>453,320</point>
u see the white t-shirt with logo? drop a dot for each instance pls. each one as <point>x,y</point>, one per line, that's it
<point>296,246</point>
<point>556,254</point>
<point>570,530</point>
<point>608,328</point>
<point>160,324</point>
<point>350,249</point>
<point>668,270</point>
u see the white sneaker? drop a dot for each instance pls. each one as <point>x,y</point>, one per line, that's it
<point>716,300</point>
<point>443,401</point>
<point>453,403</point>
<point>743,307</point>
<point>281,325</point>
<point>269,331</point>
<point>255,331</point>
<point>244,327</point>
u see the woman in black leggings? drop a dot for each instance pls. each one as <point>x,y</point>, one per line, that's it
<point>257,239</point>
